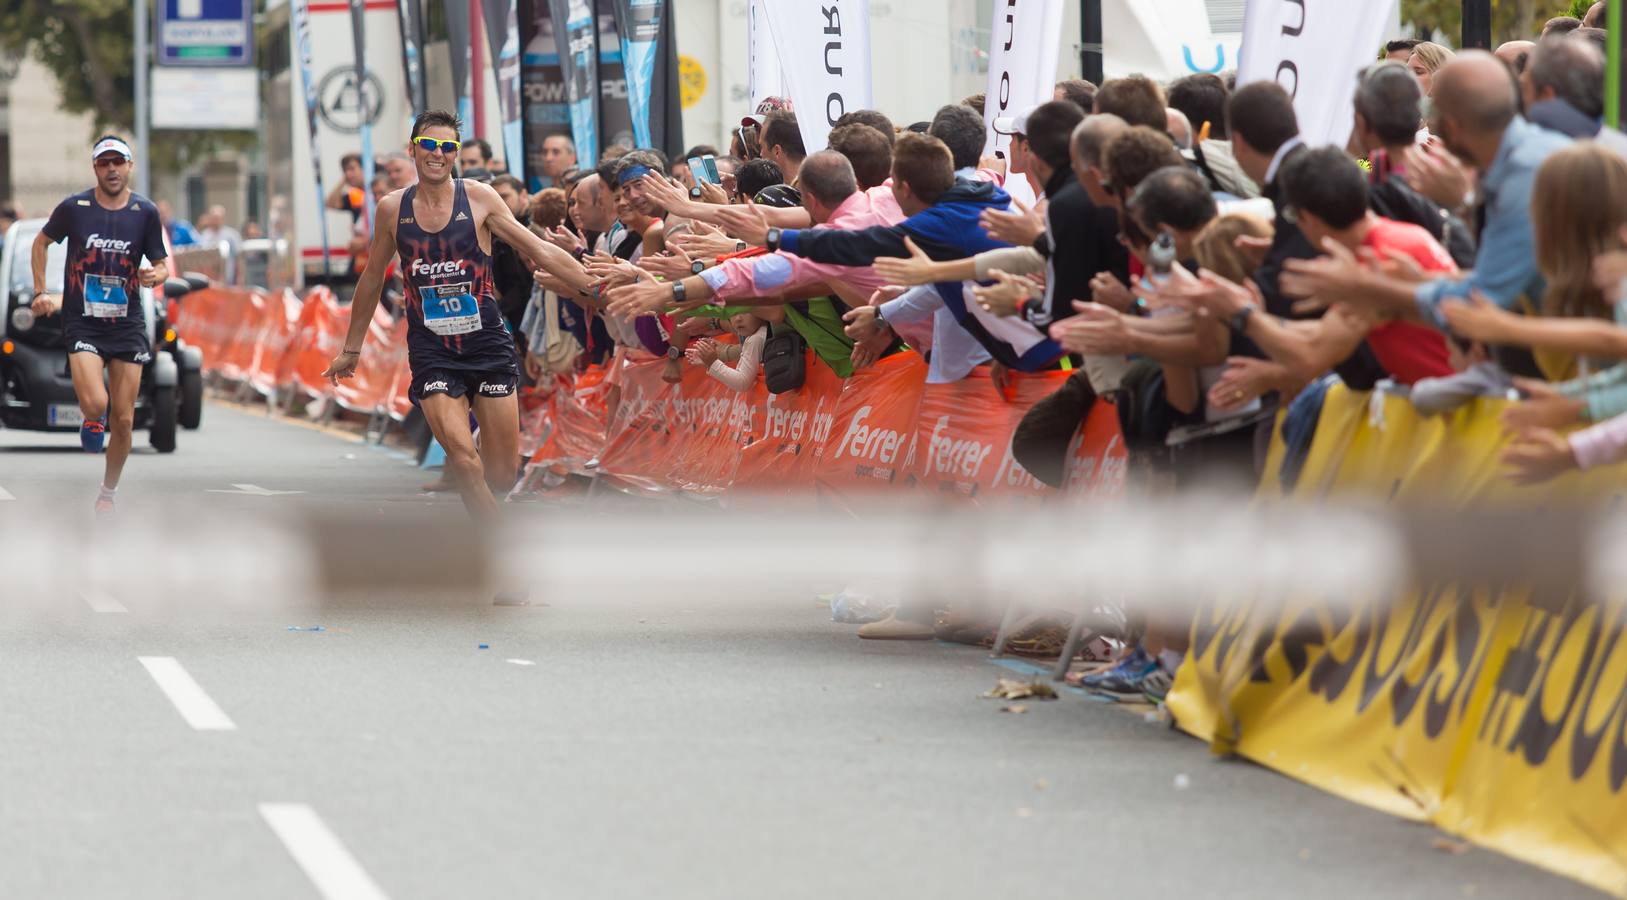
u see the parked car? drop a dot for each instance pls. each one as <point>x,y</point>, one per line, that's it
<point>36,391</point>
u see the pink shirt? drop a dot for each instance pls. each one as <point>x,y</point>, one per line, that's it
<point>1600,445</point>
<point>773,274</point>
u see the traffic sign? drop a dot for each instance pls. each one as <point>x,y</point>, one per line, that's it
<point>206,32</point>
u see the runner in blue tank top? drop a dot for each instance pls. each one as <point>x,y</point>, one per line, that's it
<point>109,229</point>
<point>461,354</point>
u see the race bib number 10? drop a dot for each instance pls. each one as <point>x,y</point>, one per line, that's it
<point>105,297</point>
<point>450,309</point>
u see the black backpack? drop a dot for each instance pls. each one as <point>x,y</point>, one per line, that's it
<point>785,363</point>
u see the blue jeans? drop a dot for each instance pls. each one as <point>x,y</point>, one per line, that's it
<point>1299,427</point>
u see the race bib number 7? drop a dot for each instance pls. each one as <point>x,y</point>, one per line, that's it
<point>450,309</point>
<point>105,297</point>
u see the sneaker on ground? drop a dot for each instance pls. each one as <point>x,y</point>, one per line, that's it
<point>893,628</point>
<point>1124,678</point>
<point>93,434</point>
<point>512,598</point>
<point>1155,687</point>
<point>104,504</point>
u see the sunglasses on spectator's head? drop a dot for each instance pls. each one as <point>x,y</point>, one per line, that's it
<point>430,145</point>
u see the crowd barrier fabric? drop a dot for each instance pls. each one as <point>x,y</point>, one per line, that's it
<point>1487,715</point>
<point>882,429</point>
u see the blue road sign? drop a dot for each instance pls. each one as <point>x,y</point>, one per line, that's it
<point>206,32</point>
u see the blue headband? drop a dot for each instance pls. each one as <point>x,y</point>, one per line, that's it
<point>637,170</point>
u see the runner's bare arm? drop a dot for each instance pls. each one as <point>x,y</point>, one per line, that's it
<point>368,287</point>
<point>502,225</point>
<point>43,305</point>
<point>155,274</point>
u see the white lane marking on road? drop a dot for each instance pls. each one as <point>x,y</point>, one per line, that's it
<point>331,868</point>
<point>521,662</point>
<point>5,494</point>
<point>194,705</point>
<point>252,490</point>
<point>103,602</point>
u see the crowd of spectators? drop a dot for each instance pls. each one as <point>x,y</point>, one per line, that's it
<point>1191,259</point>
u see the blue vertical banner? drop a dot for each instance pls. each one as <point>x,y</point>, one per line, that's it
<point>543,90</point>
<point>358,30</point>
<point>503,34</point>
<point>615,116</point>
<point>302,40</point>
<point>577,43</point>
<point>412,53</point>
<point>639,22</point>
<point>457,42</point>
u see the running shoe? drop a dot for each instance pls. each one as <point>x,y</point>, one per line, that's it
<point>1123,679</point>
<point>93,434</point>
<point>104,505</point>
<point>1155,687</point>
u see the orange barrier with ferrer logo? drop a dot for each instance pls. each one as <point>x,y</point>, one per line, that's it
<point>872,433</point>
<point>782,456</point>
<point>963,435</point>
<point>882,429</point>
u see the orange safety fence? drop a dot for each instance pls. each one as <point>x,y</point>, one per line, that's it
<point>883,429</point>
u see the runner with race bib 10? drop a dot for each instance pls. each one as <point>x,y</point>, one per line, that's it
<point>458,348</point>
<point>109,229</point>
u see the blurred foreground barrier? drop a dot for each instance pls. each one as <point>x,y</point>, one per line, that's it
<point>1495,710</point>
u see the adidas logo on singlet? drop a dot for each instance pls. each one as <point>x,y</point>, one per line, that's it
<point>461,217</point>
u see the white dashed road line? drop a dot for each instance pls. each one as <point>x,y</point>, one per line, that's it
<point>318,851</point>
<point>103,602</point>
<point>194,705</point>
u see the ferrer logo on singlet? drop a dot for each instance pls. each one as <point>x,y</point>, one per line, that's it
<point>106,245</point>
<point>432,269</point>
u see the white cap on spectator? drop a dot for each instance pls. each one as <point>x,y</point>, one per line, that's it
<point>110,145</point>
<point>1017,124</point>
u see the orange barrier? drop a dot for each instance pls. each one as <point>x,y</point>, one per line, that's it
<point>882,429</point>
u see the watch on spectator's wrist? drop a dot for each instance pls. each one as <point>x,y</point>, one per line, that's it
<point>679,293</point>
<point>880,321</point>
<point>578,252</point>
<point>772,240</point>
<point>675,352</point>
<point>740,245</point>
<point>697,267</point>
<point>1238,321</point>
<point>694,193</point>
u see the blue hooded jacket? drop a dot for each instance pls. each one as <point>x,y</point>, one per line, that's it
<point>947,230</point>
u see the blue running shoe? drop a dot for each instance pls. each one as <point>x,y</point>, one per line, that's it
<point>92,434</point>
<point>1123,679</point>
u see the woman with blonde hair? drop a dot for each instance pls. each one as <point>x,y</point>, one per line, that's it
<point>1578,215</point>
<point>1427,59</point>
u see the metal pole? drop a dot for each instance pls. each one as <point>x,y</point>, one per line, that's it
<point>142,60</point>
<point>1613,82</point>
<point>1477,24</point>
<point>1090,41</point>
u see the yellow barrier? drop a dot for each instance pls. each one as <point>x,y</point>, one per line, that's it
<point>1492,719</point>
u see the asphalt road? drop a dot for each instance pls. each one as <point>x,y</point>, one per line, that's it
<point>174,750</point>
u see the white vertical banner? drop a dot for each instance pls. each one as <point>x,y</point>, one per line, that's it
<point>763,59</point>
<point>824,51</point>
<point>1314,48</point>
<point>1025,37</point>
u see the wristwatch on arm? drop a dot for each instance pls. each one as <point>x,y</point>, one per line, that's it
<point>1238,321</point>
<point>772,240</point>
<point>697,267</point>
<point>679,292</point>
